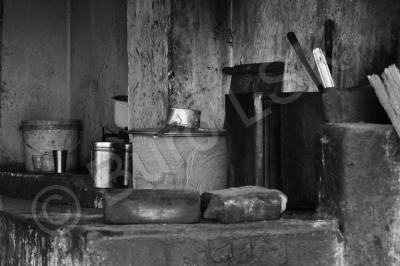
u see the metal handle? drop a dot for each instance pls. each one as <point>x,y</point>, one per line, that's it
<point>165,129</point>
<point>299,51</point>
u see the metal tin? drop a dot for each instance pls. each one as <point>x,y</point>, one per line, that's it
<point>111,164</point>
<point>184,117</point>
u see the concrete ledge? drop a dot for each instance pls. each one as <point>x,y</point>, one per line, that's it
<point>361,186</point>
<point>27,185</point>
<point>281,242</point>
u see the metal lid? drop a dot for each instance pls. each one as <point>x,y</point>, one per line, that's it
<point>178,132</point>
<point>51,124</point>
<point>102,144</point>
<point>110,145</point>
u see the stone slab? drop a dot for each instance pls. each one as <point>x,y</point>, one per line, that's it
<point>27,186</point>
<point>361,186</point>
<point>244,204</point>
<point>129,206</point>
<point>91,242</point>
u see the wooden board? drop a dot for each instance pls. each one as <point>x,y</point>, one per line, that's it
<point>189,40</point>
<point>148,31</point>
<point>179,163</point>
<point>199,52</point>
<point>301,122</point>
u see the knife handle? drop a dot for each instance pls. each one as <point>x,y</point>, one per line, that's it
<point>292,38</point>
<point>329,27</point>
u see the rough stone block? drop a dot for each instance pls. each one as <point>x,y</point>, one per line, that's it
<point>244,204</point>
<point>130,206</point>
<point>361,186</point>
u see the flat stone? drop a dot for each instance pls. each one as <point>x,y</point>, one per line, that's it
<point>289,242</point>
<point>24,185</point>
<point>138,206</point>
<point>243,204</point>
<point>361,186</point>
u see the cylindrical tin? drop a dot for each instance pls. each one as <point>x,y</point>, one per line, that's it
<point>60,160</point>
<point>110,164</point>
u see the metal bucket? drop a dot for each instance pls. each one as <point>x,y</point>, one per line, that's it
<point>41,137</point>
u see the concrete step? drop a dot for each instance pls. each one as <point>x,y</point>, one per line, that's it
<point>34,237</point>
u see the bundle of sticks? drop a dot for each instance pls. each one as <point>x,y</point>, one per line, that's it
<point>387,89</point>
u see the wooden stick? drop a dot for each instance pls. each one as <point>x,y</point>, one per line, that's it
<point>387,89</point>
<point>323,68</point>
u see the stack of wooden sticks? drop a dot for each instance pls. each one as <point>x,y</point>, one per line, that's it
<point>387,89</point>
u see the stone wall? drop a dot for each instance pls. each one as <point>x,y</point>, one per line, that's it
<point>99,66</point>
<point>33,69</point>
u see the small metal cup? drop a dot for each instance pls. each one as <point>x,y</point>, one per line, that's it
<point>37,161</point>
<point>60,160</point>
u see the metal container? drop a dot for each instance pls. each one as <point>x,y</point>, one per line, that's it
<point>121,111</point>
<point>184,117</point>
<point>111,164</point>
<point>60,160</point>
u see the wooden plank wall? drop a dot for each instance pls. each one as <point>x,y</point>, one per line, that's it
<point>188,38</point>
<point>148,34</point>
<point>365,39</point>
<point>200,40</point>
<point>193,39</point>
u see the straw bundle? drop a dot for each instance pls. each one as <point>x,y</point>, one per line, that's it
<point>387,89</point>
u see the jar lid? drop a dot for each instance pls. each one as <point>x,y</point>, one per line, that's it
<point>110,145</point>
